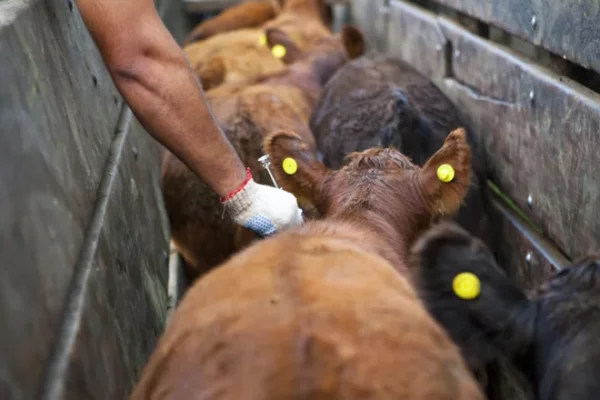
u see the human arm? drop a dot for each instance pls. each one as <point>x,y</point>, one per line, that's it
<point>154,77</point>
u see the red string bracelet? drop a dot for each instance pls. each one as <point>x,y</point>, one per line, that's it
<point>230,195</point>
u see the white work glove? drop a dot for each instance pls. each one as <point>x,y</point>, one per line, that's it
<point>263,209</point>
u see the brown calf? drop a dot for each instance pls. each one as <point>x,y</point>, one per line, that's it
<point>378,100</point>
<point>249,14</point>
<point>318,312</point>
<point>247,115</point>
<point>214,62</point>
<point>306,21</point>
<point>380,191</point>
<point>240,55</point>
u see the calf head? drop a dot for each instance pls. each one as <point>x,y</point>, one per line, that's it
<point>326,55</point>
<point>551,338</point>
<point>231,57</point>
<point>378,186</point>
<point>305,20</point>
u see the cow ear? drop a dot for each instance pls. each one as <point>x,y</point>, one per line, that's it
<point>282,46</point>
<point>211,74</point>
<point>354,42</point>
<point>464,289</point>
<point>445,178</point>
<point>296,167</point>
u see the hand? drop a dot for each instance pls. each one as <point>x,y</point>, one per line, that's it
<point>262,208</point>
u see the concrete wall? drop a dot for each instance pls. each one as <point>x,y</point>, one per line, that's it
<point>83,232</point>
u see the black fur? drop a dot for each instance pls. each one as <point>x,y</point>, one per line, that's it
<point>378,101</point>
<point>553,338</point>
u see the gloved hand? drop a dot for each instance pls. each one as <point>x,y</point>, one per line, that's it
<point>262,208</point>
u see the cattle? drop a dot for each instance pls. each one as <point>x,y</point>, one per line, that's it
<point>379,187</point>
<point>379,100</point>
<point>247,114</point>
<point>551,336</point>
<point>249,14</point>
<point>306,21</point>
<point>320,311</point>
<point>244,54</point>
<point>214,63</point>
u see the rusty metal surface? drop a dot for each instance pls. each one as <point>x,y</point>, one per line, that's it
<point>567,28</point>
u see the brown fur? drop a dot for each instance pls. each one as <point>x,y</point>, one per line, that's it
<point>382,101</point>
<point>214,62</point>
<point>379,190</point>
<point>318,312</point>
<point>305,21</point>
<point>249,14</point>
<point>247,114</point>
<point>238,56</point>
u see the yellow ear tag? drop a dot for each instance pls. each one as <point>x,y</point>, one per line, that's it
<point>263,40</point>
<point>445,173</point>
<point>290,166</point>
<point>278,51</point>
<point>466,285</point>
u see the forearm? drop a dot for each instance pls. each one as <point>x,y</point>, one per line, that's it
<point>167,99</point>
<point>153,76</point>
